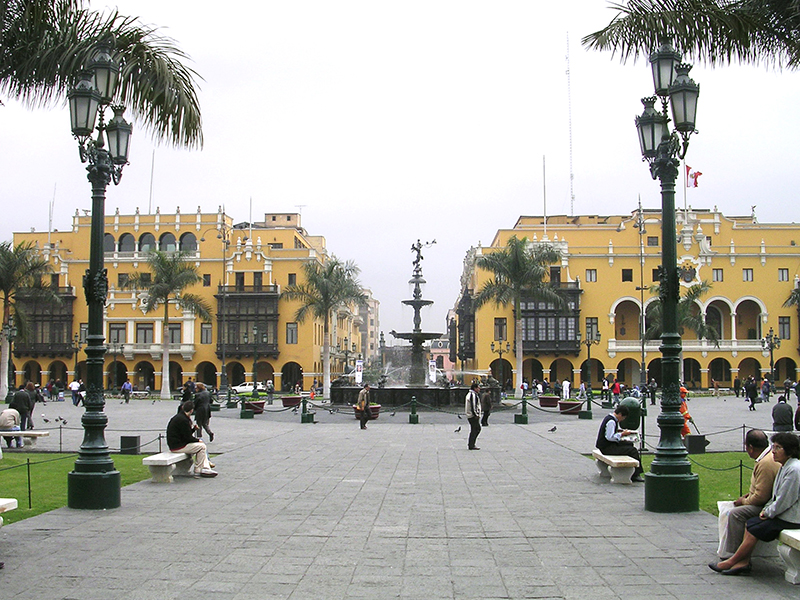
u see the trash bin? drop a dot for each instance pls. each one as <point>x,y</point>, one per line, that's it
<point>696,444</point>
<point>634,413</point>
<point>129,444</point>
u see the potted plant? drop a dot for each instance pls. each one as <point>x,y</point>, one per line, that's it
<point>548,401</point>
<point>570,407</point>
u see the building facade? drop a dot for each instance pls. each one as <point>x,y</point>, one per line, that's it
<point>607,276</point>
<point>243,266</point>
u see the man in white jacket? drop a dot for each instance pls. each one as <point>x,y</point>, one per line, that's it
<point>472,408</point>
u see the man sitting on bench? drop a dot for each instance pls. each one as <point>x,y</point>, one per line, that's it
<point>180,438</point>
<point>609,439</point>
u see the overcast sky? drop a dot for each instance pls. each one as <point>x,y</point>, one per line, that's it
<point>384,122</point>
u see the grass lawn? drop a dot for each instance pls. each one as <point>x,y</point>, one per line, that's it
<point>49,479</point>
<point>719,476</point>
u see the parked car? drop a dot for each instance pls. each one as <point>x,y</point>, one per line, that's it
<point>247,388</point>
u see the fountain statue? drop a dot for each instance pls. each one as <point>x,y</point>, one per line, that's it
<point>417,337</point>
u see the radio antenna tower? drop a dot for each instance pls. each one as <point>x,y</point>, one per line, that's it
<point>569,112</point>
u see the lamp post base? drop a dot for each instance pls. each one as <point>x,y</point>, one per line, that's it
<point>94,491</point>
<point>520,419</point>
<point>671,493</point>
<point>585,414</point>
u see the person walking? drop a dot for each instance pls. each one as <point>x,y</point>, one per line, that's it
<point>765,390</point>
<point>751,391</point>
<point>737,386</point>
<point>782,415</point>
<point>486,407</point>
<point>652,387</point>
<point>472,408</point>
<point>363,406</point>
<point>202,410</point>
<point>126,390</point>
<point>74,387</point>
<point>22,403</point>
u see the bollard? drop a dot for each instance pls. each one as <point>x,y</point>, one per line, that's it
<point>246,413</point>
<point>305,416</point>
<point>413,417</point>
<point>522,419</point>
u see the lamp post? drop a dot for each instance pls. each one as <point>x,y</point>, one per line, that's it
<point>770,342</point>
<point>115,349</point>
<point>670,486</point>
<point>10,333</point>
<point>95,483</point>
<point>592,337</point>
<point>639,225</point>
<point>76,346</point>
<point>501,369</point>
<point>346,354</point>
<point>224,234</point>
<point>255,359</point>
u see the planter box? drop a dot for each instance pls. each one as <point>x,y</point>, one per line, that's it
<point>257,406</point>
<point>570,407</point>
<point>291,401</point>
<point>375,409</point>
<point>548,401</point>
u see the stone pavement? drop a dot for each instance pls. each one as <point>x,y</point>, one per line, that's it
<point>327,511</point>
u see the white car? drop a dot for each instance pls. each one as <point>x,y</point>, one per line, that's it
<point>247,388</point>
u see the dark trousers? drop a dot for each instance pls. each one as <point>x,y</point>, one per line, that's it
<point>625,449</point>
<point>365,415</point>
<point>485,418</point>
<point>474,430</point>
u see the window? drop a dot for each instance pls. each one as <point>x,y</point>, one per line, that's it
<point>784,328</point>
<point>239,278</point>
<point>147,242</point>
<point>205,333</point>
<point>54,280</point>
<point>206,279</point>
<point>122,280</point>
<point>144,333</point>
<point>783,274</point>
<point>116,333</point>
<point>109,243</point>
<point>627,274</point>
<point>168,243</point>
<point>656,274</point>
<point>747,274</point>
<point>127,243</point>
<point>146,278</point>
<point>500,330</point>
<point>592,328</point>
<point>84,332</point>
<point>652,240</point>
<point>292,278</point>
<point>174,333</point>
<point>257,279</point>
<point>291,333</point>
<point>555,275</point>
<point>591,274</point>
<point>716,275</point>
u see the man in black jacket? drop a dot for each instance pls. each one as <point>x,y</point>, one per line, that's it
<point>23,404</point>
<point>180,438</point>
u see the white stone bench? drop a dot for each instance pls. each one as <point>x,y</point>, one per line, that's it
<point>30,435</point>
<point>166,464</point>
<point>618,468</point>
<point>7,504</point>
<point>789,549</point>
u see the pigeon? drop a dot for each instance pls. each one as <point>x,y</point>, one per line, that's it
<point>64,421</point>
<point>457,430</point>
<point>553,429</point>
<point>459,416</point>
<point>58,419</point>
<point>45,420</point>
<point>393,414</point>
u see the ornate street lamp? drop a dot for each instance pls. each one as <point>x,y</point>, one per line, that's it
<point>670,486</point>
<point>501,368</point>
<point>639,225</point>
<point>592,337</point>
<point>95,483</point>
<point>224,234</point>
<point>115,349</point>
<point>10,333</point>
<point>770,343</point>
<point>255,361</point>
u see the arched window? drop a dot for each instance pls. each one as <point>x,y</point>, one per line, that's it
<point>109,245</point>
<point>147,243</point>
<point>127,243</point>
<point>167,243</point>
<point>188,242</point>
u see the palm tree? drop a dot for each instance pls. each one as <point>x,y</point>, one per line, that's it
<point>520,271</point>
<point>718,31</point>
<point>171,273</point>
<point>688,316</point>
<point>21,272</point>
<point>45,43</point>
<point>327,287</point>
<point>794,300</point>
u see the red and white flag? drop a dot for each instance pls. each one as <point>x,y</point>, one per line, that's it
<point>692,176</point>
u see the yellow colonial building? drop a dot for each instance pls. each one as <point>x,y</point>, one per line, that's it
<point>243,266</point>
<point>608,266</point>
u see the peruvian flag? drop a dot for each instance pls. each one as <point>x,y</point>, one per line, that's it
<point>692,176</point>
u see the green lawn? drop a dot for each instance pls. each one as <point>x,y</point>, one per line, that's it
<point>49,479</point>
<point>719,476</point>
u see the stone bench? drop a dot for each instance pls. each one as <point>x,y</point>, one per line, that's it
<point>7,504</point>
<point>789,550</point>
<point>30,435</point>
<point>618,468</point>
<point>166,464</point>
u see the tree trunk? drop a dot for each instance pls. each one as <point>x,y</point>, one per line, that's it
<point>4,351</point>
<point>165,391</point>
<point>326,361</point>
<point>518,352</point>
